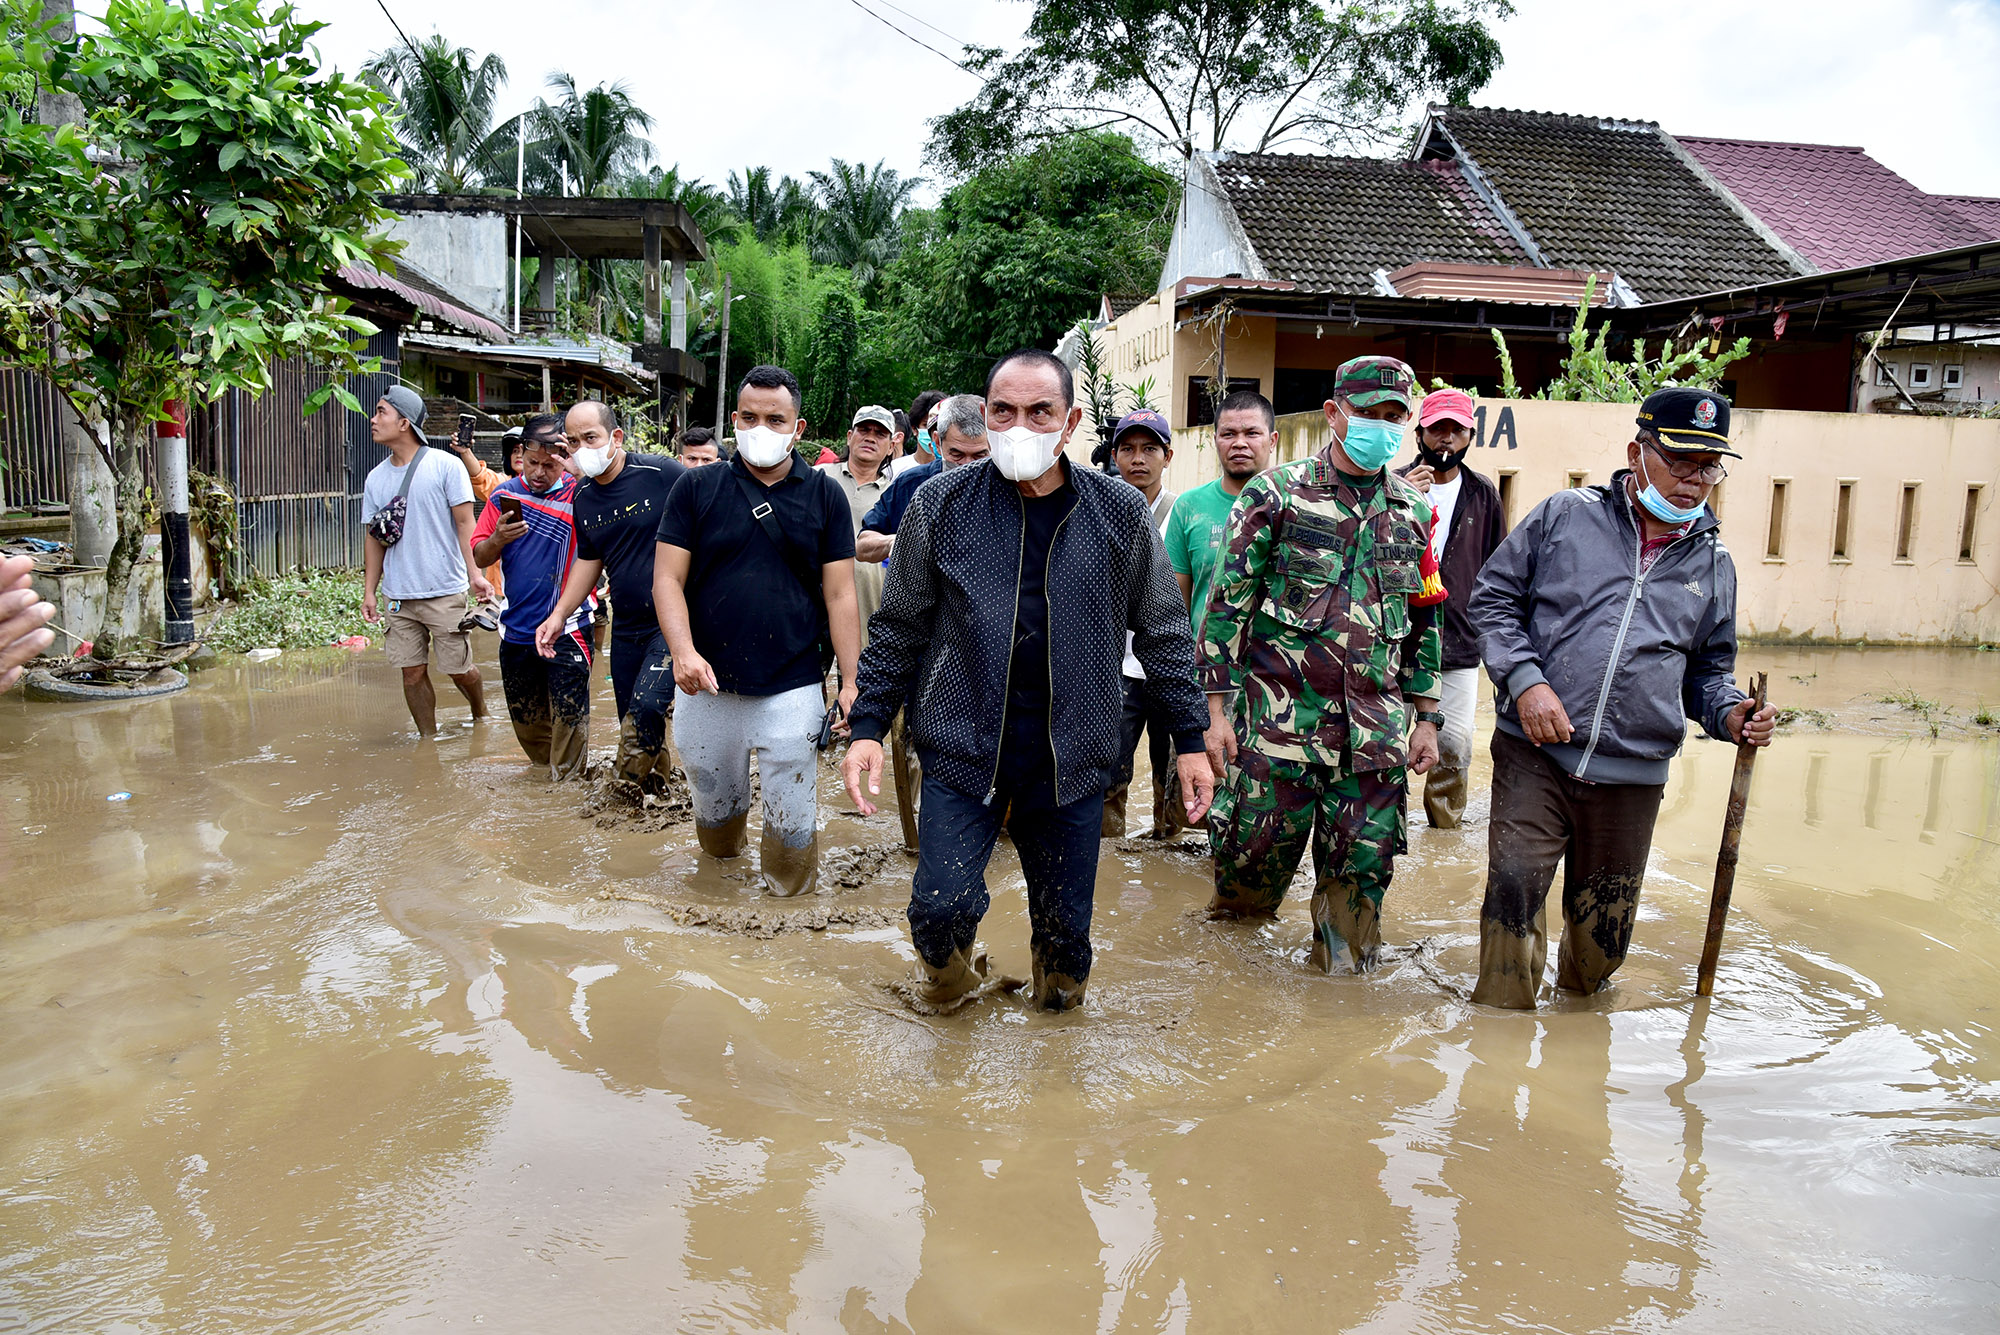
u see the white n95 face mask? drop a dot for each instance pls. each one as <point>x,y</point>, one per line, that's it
<point>762,447</point>
<point>590,463</point>
<point>1023,454</point>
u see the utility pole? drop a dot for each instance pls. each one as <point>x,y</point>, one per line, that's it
<point>170,460</point>
<point>722,366</point>
<point>520,178</point>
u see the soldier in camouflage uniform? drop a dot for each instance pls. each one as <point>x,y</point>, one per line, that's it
<point>1314,662</point>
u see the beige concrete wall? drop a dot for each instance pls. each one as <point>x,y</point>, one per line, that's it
<point>1806,590</point>
<point>1139,344</point>
<point>1248,350</point>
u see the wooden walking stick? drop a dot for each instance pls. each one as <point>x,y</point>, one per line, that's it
<point>1732,839</point>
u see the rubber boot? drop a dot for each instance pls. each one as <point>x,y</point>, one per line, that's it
<point>787,870</point>
<point>1056,991</point>
<point>941,989</point>
<point>1510,966</point>
<point>1114,811</point>
<point>1444,796</point>
<point>1343,916</point>
<point>638,763</point>
<point>909,782</point>
<point>726,840</point>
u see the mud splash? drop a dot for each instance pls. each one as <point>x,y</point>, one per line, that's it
<point>324,1030</point>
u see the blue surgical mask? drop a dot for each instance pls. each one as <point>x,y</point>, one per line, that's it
<point>1371,443</point>
<point>923,437</point>
<point>1659,506</point>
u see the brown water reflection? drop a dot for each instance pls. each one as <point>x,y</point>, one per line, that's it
<point>325,1031</point>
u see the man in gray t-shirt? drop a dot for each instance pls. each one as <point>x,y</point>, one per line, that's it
<point>424,576</point>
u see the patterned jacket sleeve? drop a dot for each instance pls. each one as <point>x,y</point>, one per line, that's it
<point>1164,644</point>
<point>1238,587</point>
<point>899,631</point>
<point>1419,673</point>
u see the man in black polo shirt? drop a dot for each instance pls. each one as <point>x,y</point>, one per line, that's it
<point>618,505</point>
<point>754,580</point>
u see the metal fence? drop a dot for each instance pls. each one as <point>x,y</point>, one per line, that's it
<point>31,434</point>
<point>297,479</point>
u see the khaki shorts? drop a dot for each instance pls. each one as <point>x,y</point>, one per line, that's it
<point>417,624</point>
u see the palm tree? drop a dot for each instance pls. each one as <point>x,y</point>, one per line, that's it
<point>593,132</point>
<point>861,214</point>
<point>444,113</point>
<point>775,212</point>
<point>706,204</point>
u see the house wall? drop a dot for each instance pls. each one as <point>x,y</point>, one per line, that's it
<point>1982,373</point>
<point>1805,591</point>
<point>466,252</point>
<point>1139,345</point>
<point>1247,351</point>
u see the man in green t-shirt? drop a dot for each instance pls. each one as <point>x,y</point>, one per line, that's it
<point>1244,437</point>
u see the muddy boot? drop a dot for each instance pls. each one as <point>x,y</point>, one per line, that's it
<point>1345,917</point>
<point>787,870</point>
<point>909,783</point>
<point>1444,796</point>
<point>1056,991</point>
<point>726,840</point>
<point>1169,809</point>
<point>942,989</point>
<point>1510,964</point>
<point>1114,811</point>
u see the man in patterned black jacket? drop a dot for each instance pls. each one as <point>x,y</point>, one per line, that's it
<point>1011,586</point>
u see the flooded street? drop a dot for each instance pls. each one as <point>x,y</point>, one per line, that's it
<point>325,1030</point>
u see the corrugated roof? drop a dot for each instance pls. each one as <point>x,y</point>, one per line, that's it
<point>1832,203</point>
<point>1329,223</point>
<point>1608,194</point>
<point>425,295</point>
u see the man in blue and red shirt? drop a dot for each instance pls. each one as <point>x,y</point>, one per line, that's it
<point>529,527</point>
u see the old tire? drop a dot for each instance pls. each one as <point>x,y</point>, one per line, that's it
<point>42,684</point>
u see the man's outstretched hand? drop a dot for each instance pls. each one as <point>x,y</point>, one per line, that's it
<point>863,758</point>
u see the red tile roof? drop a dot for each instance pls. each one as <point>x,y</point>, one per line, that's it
<point>1982,213</point>
<point>1834,204</point>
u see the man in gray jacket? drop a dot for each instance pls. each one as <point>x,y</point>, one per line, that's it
<point>1011,587</point>
<point>1606,619</point>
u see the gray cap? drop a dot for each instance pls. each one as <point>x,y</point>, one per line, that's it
<point>407,402</point>
<point>877,414</point>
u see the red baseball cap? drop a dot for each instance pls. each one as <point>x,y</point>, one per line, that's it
<point>1454,404</point>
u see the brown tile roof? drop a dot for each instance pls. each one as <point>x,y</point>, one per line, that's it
<point>1981,213</point>
<point>1329,223</point>
<point>1607,194</point>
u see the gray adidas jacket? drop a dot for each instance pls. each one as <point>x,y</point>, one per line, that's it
<point>1630,655</point>
<point>943,638</point>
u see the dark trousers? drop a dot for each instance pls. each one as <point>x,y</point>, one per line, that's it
<point>1600,833</point>
<point>629,648</point>
<point>548,701</point>
<point>1140,714</point>
<point>646,706</point>
<point>1058,847</point>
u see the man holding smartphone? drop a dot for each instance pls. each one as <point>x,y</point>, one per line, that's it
<point>528,529</point>
<point>619,499</point>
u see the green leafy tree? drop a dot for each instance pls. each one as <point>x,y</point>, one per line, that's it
<point>861,211</point>
<point>186,251</point>
<point>776,211</point>
<point>444,114</point>
<point>1018,253</point>
<point>832,357</point>
<point>1592,373</point>
<point>1187,75</point>
<point>597,134</point>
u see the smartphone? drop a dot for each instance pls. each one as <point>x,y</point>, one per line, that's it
<point>463,437</point>
<point>510,506</point>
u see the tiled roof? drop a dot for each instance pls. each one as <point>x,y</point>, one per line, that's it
<point>425,294</point>
<point>1608,194</point>
<point>1329,223</point>
<point>1835,205</point>
<point>1982,213</point>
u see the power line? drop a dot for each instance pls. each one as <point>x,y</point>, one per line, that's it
<point>889,24</point>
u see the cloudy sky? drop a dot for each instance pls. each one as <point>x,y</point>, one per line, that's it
<point>792,83</point>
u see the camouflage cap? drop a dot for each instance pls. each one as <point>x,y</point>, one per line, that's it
<point>1367,381</point>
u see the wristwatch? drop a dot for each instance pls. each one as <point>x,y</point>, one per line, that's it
<point>1430,716</point>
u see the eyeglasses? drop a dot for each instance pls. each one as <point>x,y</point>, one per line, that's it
<point>1687,468</point>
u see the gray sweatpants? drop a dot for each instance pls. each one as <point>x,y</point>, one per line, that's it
<point>715,735</point>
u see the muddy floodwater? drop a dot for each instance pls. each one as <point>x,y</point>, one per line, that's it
<point>321,1029</point>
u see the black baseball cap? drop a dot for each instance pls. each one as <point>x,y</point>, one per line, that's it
<point>1689,421</point>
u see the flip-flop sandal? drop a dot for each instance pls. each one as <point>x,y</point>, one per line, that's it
<point>479,619</point>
